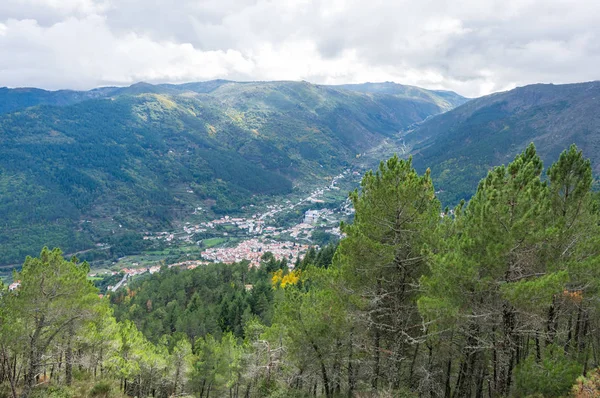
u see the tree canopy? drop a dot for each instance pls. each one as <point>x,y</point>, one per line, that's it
<point>496,297</point>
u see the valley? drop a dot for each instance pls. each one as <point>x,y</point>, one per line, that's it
<point>287,228</point>
<point>102,168</point>
<point>212,219</point>
<point>210,199</point>
<point>191,172</point>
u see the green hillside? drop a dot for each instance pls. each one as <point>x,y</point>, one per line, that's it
<point>461,146</point>
<point>79,168</point>
<point>447,100</point>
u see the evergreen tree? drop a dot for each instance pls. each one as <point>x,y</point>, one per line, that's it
<point>54,300</point>
<point>497,289</point>
<point>382,259</point>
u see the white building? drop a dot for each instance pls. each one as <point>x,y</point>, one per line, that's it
<point>311,216</point>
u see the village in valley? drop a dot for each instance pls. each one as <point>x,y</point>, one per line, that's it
<point>248,238</point>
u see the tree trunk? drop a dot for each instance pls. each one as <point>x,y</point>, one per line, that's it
<point>411,370</point>
<point>69,357</point>
<point>247,394</point>
<point>551,323</point>
<point>202,388</point>
<point>31,375</point>
<point>494,361</point>
<point>324,375</point>
<point>578,326</point>
<point>351,380</point>
<point>337,368</point>
<point>480,378</point>
<point>507,351</point>
<point>375,381</point>
<point>8,372</point>
<point>569,334</point>
<point>462,370</point>
<point>176,380</point>
<point>101,360</point>
<point>447,387</point>
<point>584,331</point>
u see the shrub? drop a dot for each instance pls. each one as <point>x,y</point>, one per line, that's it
<point>587,387</point>
<point>101,389</point>
<point>551,377</point>
<point>5,391</point>
<point>52,392</point>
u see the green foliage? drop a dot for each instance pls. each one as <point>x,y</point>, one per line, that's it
<point>53,392</point>
<point>462,145</point>
<point>514,263</point>
<point>497,297</point>
<point>382,259</point>
<point>571,180</point>
<point>128,242</point>
<point>322,238</point>
<point>553,376</point>
<point>393,200</point>
<point>99,163</point>
<point>319,258</point>
<point>54,297</point>
<point>211,299</point>
<point>217,365</point>
<point>101,389</point>
<point>535,293</point>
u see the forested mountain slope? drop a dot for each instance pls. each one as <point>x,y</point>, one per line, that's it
<point>135,158</point>
<point>445,99</point>
<point>460,146</point>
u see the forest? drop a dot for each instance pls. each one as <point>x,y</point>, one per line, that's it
<point>98,165</point>
<point>496,297</point>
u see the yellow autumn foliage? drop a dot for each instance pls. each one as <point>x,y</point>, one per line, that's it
<point>281,280</point>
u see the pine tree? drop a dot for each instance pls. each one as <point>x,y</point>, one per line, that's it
<point>55,299</point>
<point>497,287</point>
<point>382,259</point>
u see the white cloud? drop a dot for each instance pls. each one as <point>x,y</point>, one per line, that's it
<point>471,46</point>
<point>82,53</point>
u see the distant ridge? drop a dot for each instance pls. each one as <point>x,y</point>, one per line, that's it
<point>461,145</point>
<point>445,99</point>
<point>24,97</point>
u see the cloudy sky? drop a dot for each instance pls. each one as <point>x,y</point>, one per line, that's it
<point>471,46</point>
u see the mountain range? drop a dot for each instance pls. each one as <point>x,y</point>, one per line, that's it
<point>82,167</point>
<point>78,168</point>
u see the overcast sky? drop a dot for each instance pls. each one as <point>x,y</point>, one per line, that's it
<point>473,47</point>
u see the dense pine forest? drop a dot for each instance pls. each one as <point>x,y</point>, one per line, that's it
<point>497,297</point>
